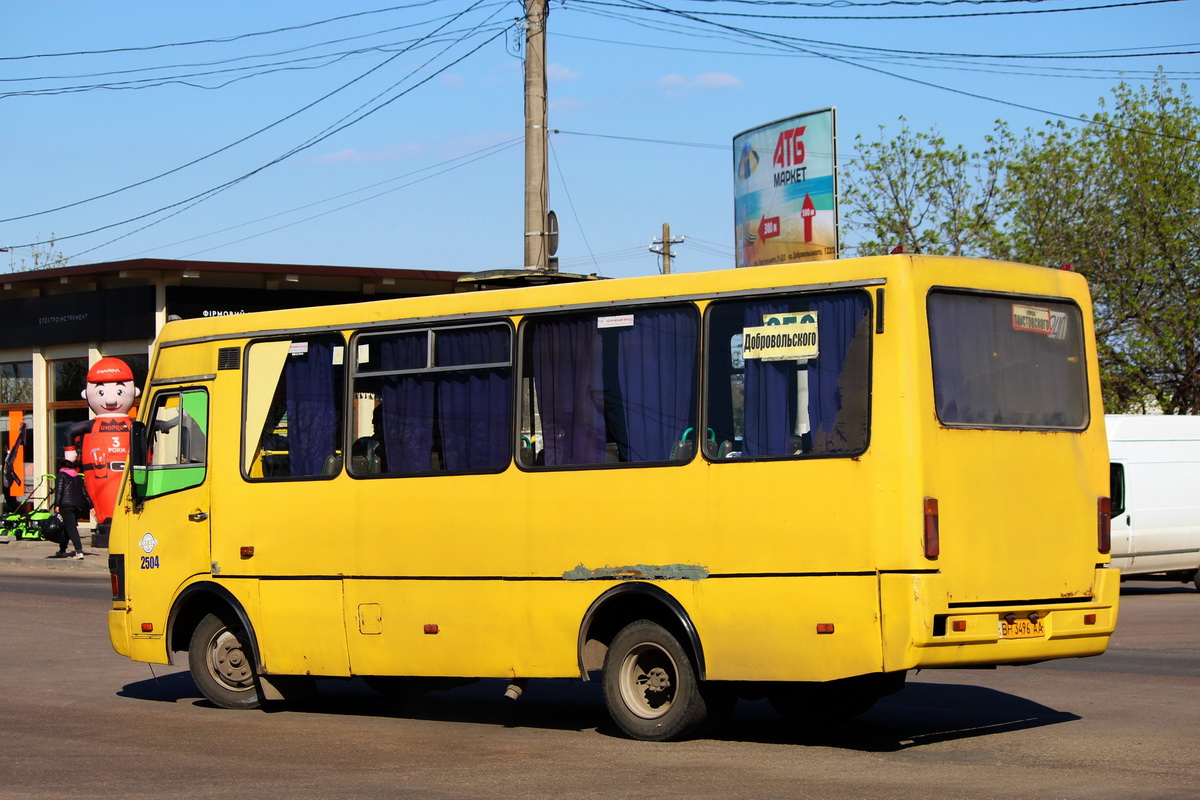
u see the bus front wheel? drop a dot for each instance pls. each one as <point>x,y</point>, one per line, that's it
<point>221,664</point>
<point>650,686</point>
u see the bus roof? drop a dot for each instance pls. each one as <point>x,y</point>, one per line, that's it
<point>871,270</point>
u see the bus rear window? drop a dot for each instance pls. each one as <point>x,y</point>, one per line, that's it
<point>1007,362</point>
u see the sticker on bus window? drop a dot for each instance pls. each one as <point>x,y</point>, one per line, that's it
<point>1034,319</point>
<point>782,337</point>
<point>790,318</point>
<point>298,348</point>
<point>615,321</point>
<point>1058,325</point>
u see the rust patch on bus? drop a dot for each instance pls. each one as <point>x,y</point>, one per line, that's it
<point>639,572</point>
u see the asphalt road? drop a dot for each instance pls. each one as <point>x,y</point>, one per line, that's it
<point>78,721</point>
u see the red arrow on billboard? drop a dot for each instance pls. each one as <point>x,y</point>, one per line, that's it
<point>807,212</point>
<point>768,227</point>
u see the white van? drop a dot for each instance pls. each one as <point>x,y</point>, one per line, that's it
<point>1156,496</point>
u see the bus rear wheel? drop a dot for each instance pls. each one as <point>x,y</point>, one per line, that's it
<point>650,687</point>
<point>221,665</point>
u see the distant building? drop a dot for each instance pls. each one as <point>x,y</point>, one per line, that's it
<point>55,323</point>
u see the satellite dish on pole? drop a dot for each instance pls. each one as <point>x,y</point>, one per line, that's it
<point>551,233</point>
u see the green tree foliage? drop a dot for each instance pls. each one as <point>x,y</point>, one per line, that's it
<point>1117,196</point>
<point>1120,200</point>
<point>915,192</point>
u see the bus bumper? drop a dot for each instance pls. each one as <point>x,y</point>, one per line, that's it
<point>118,631</point>
<point>1020,632</point>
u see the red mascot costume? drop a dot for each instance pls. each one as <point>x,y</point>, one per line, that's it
<point>104,449</point>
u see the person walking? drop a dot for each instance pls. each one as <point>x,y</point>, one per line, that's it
<point>70,502</point>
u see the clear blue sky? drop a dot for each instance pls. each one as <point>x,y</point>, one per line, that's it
<point>432,179</point>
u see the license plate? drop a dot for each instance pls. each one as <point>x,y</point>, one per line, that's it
<point>1022,629</point>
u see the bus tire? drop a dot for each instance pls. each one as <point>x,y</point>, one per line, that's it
<point>650,686</point>
<point>221,664</point>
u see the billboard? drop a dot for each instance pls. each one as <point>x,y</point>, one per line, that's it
<point>785,190</point>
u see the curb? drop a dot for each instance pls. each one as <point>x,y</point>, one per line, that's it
<point>36,554</point>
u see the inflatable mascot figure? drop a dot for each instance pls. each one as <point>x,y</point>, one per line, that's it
<point>104,440</point>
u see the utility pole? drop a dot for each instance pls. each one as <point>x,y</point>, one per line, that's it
<point>666,243</point>
<point>536,196</point>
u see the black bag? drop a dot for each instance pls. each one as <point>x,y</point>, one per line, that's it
<point>53,529</point>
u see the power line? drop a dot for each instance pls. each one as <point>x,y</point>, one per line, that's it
<point>1048,71</point>
<point>219,40</point>
<point>570,201</point>
<point>890,17</point>
<point>273,54</point>
<point>904,53</point>
<point>880,3</point>
<point>788,42</point>
<point>298,149</point>
<point>494,150</point>
<point>642,139</point>
<point>245,138</point>
<point>483,152</point>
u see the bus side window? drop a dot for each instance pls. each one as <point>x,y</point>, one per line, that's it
<point>433,400</point>
<point>176,444</point>
<point>792,400</point>
<point>611,388</point>
<point>293,414</point>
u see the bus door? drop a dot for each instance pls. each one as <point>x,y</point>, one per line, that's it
<point>169,524</point>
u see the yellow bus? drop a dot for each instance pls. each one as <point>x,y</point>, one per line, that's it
<point>796,482</point>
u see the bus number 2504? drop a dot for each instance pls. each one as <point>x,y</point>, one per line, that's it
<point>149,562</point>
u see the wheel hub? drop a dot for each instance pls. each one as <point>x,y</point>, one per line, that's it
<point>657,680</point>
<point>229,661</point>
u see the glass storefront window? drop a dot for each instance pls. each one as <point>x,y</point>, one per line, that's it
<point>16,382</point>
<point>68,378</point>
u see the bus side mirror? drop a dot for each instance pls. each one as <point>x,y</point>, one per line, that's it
<point>1116,488</point>
<point>137,483</point>
<point>137,462</point>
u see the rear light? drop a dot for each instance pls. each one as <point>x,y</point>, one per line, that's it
<point>116,572</point>
<point>933,544</point>
<point>1104,525</point>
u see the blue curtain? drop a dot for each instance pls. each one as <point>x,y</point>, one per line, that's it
<point>567,378</point>
<point>656,374</point>
<point>837,395</point>
<point>407,405</point>
<point>770,395</point>
<point>962,345</point>
<point>473,404</point>
<point>311,408</point>
<point>838,421</point>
